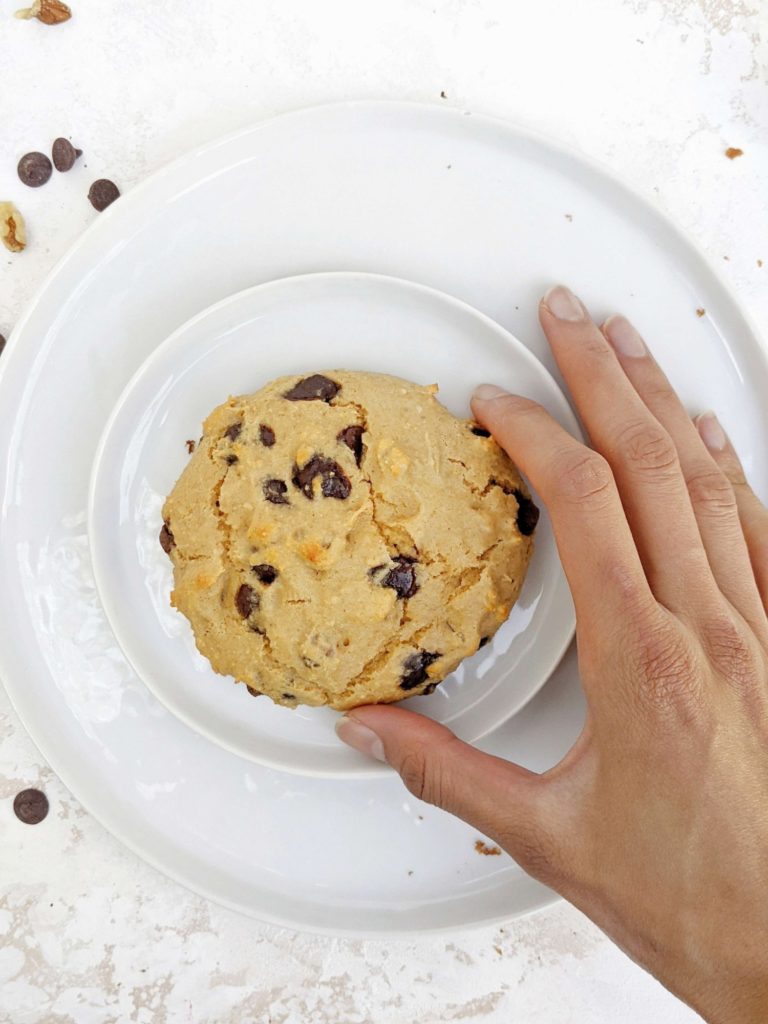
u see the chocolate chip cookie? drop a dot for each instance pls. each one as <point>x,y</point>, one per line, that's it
<point>342,539</point>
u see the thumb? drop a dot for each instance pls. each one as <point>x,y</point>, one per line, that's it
<point>501,799</point>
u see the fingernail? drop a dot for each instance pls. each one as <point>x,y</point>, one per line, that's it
<point>487,392</point>
<point>624,338</point>
<point>562,303</point>
<point>712,434</point>
<point>359,736</point>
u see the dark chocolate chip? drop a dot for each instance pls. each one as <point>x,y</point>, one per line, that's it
<point>334,481</point>
<point>167,540</point>
<point>2,343</point>
<point>311,388</point>
<point>430,688</point>
<point>64,154</point>
<point>35,169</point>
<point>402,579</point>
<point>231,460</point>
<point>480,431</point>
<point>376,569</point>
<point>190,446</point>
<point>527,514</point>
<point>415,669</point>
<point>233,431</point>
<point>102,194</point>
<point>30,806</point>
<point>483,641</point>
<point>288,696</point>
<point>266,435</point>
<point>265,573</point>
<point>247,601</point>
<point>253,691</point>
<point>275,491</point>
<point>352,437</point>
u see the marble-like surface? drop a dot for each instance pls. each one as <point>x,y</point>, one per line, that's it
<point>88,933</point>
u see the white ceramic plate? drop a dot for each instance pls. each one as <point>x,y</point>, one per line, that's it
<point>468,205</point>
<point>297,325</point>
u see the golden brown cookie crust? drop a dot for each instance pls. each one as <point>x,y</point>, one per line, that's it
<point>342,539</point>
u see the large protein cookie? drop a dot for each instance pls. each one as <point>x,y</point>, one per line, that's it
<point>342,539</point>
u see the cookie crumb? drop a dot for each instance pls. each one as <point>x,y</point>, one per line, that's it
<point>759,263</point>
<point>410,873</point>
<point>732,152</point>
<point>443,94</point>
<point>569,217</point>
<point>700,311</point>
<point>486,850</point>
<point>190,446</point>
<point>727,259</point>
<point>498,950</point>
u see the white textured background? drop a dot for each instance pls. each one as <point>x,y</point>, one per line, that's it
<point>658,90</point>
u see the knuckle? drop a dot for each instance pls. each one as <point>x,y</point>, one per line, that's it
<point>668,672</point>
<point>730,650</point>
<point>711,493</point>
<point>646,446</point>
<point>584,476</point>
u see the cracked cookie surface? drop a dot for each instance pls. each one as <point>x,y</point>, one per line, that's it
<point>342,539</point>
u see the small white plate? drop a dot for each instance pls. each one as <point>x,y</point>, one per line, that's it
<point>299,325</point>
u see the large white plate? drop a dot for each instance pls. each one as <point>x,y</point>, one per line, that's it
<point>465,204</point>
<point>297,325</point>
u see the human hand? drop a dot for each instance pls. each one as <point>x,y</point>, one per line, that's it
<point>655,824</point>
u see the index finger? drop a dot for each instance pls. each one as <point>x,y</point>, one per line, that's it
<point>596,546</point>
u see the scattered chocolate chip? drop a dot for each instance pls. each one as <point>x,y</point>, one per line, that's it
<point>102,194</point>
<point>64,155</point>
<point>231,460</point>
<point>2,343</point>
<point>253,691</point>
<point>352,437</point>
<point>233,431</point>
<point>275,491</point>
<point>480,431</point>
<point>415,669</point>
<point>265,573</point>
<point>335,483</point>
<point>483,641</point>
<point>247,601</point>
<point>266,435</point>
<point>402,579</point>
<point>527,514</point>
<point>430,688</point>
<point>167,540</point>
<point>35,169</point>
<point>30,806</point>
<point>190,446</point>
<point>311,388</point>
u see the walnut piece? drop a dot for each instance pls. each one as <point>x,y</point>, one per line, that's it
<point>12,229</point>
<point>50,12</point>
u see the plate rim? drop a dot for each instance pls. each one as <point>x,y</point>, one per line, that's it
<point>511,130</point>
<point>373,769</point>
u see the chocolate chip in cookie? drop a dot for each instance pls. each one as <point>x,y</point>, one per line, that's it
<point>276,491</point>
<point>483,641</point>
<point>415,669</point>
<point>266,574</point>
<point>266,435</point>
<point>167,540</point>
<point>310,389</point>
<point>402,578</point>
<point>527,513</point>
<point>352,437</point>
<point>253,691</point>
<point>231,460</point>
<point>480,431</point>
<point>247,601</point>
<point>334,481</point>
<point>233,431</point>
